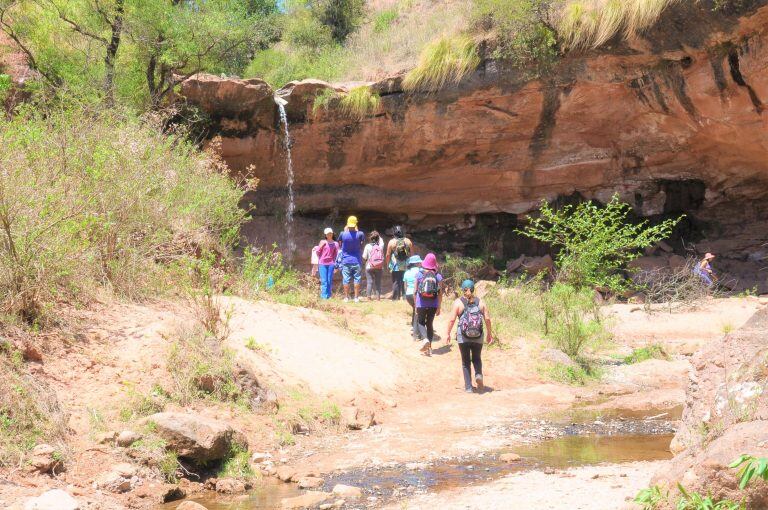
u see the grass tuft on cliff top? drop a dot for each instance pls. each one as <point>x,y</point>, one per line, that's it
<point>588,24</point>
<point>360,102</point>
<point>446,60</point>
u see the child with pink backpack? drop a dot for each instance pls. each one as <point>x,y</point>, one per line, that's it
<point>373,255</point>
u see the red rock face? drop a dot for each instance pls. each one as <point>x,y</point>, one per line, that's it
<point>669,131</point>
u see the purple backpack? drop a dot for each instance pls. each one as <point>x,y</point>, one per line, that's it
<point>471,321</point>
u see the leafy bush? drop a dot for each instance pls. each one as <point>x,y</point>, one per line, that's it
<point>457,269</point>
<point>96,198</point>
<point>696,501</point>
<point>595,243</point>
<point>384,19</point>
<point>751,467</point>
<point>446,60</point>
<point>359,102</point>
<point>29,412</point>
<point>517,309</point>
<point>650,498</point>
<point>521,29</point>
<point>323,100</point>
<point>652,351</point>
<point>572,375</point>
<point>342,17</point>
<point>201,368</point>
<point>592,23</point>
<point>280,65</point>
<point>572,319</point>
<point>304,30</point>
<point>236,464</point>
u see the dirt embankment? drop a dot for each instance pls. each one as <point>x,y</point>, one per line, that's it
<point>359,358</point>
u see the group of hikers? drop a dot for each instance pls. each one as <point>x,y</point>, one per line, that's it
<point>416,280</point>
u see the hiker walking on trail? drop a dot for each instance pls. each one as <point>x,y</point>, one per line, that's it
<point>409,279</point>
<point>373,255</point>
<point>399,249</point>
<point>429,297</point>
<point>704,270</point>
<point>472,313</point>
<point>352,241</point>
<point>327,251</point>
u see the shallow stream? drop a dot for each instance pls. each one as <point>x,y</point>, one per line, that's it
<point>570,440</point>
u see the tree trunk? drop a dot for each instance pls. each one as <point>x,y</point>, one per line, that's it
<point>112,47</point>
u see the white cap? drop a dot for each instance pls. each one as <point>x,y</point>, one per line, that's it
<point>328,230</point>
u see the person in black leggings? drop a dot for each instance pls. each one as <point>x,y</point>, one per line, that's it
<point>472,313</point>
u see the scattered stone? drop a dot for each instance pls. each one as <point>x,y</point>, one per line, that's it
<point>339,503</point>
<point>285,473</point>
<point>595,476</point>
<point>259,457</point>
<point>121,478</point>
<point>190,505</point>
<point>310,482</point>
<point>416,466</point>
<point>509,457</point>
<point>44,459</point>
<point>325,506</point>
<point>558,357</point>
<point>31,352</point>
<point>358,419</point>
<point>194,437</point>
<point>106,437</point>
<point>171,492</point>
<point>347,491</point>
<point>230,486</point>
<point>308,499</point>
<point>549,471</point>
<point>55,499</point>
<point>127,437</point>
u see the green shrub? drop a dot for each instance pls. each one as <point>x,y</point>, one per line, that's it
<point>520,27</point>
<point>572,375</point>
<point>696,501</point>
<point>141,404</point>
<point>595,243</point>
<point>305,30</point>
<point>446,60</point>
<point>457,269</point>
<point>650,498</point>
<point>751,467</point>
<point>280,65</point>
<point>592,23</point>
<point>236,464</point>
<point>98,199</point>
<point>653,351</point>
<point>359,102</point>
<point>341,17</point>
<point>572,319</point>
<point>517,309</point>
<point>384,19</point>
<point>29,413</point>
<point>324,99</point>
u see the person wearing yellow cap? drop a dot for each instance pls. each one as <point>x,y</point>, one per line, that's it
<point>352,241</point>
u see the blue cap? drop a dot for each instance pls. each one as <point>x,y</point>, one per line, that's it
<point>468,284</point>
<point>414,259</point>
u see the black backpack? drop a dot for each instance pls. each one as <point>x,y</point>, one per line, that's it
<point>428,285</point>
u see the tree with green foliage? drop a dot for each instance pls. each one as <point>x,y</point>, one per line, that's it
<point>137,50</point>
<point>595,243</point>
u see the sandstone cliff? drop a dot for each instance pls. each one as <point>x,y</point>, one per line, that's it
<point>673,123</point>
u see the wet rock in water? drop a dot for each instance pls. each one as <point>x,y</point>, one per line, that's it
<point>310,482</point>
<point>285,473</point>
<point>509,457</point>
<point>194,437</point>
<point>347,491</point>
<point>308,499</point>
<point>44,459</point>
<point>358,419</point>
<point>230,486</point>
<point>127,437</point>
<point>55,499</point>
<point>190,505</point>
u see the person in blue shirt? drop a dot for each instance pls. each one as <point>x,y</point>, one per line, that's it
<point>414,264</point>
<point>351,242</point>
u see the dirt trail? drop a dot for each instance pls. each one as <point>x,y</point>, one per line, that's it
<point>361,357</point>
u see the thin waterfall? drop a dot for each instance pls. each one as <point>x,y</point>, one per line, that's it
<point>291,207</point>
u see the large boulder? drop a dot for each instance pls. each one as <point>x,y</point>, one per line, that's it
<point>194,437</point>
<point>300,96</point>
<point>724,417</point>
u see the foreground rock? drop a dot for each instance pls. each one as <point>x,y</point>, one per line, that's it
<point>307,500</point>
<point>190,505</point>
<point>724,417</point>
<point>194,437</point>
<point>55,499</point>
<point>44,459</point>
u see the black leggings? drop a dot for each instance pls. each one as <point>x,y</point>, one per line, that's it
<point>426,322</point>
<point>398,287</point>
<point>470,351</point>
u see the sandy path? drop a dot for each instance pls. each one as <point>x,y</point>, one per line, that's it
<point>606,487</point>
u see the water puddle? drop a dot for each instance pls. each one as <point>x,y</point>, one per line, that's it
<point>572,439</point>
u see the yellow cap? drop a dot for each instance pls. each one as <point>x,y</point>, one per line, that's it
<point>352,222</point>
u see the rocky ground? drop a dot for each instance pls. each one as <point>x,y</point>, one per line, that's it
<point>410,408</point>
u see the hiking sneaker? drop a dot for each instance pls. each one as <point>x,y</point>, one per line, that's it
<point>479,382</point>
<point>357,300</point>
<point>468,390</point>
<point>346,300</point>
<point>425,346</point>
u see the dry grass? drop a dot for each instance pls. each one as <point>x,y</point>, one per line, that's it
<point>446,60</point>
<point>379,50</point>
<point>587,24</point>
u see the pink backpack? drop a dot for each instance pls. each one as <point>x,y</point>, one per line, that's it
<point>376,258</point>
